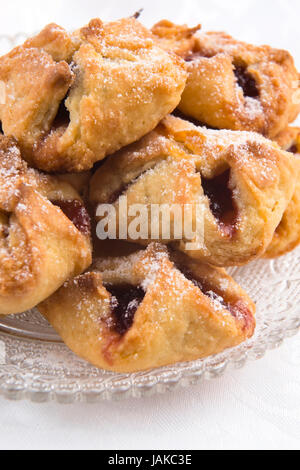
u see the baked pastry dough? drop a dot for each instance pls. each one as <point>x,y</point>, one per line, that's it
<point>231,84</point>
<point>149,310</point>
<point>241,181</point>
<point>44,233</point>
<point>287,234</point>
<point>79,181</point>
<point>72,99</point>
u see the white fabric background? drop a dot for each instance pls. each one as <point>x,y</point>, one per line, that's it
<point>254,408</point>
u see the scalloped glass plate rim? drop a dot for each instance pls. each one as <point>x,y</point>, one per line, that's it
<point>17,384</point>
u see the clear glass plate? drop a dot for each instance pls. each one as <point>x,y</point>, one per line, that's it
<point>34,364</point>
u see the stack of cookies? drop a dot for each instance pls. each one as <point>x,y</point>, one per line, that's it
<point>172,118</point>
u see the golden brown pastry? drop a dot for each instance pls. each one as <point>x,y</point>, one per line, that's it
<point>287,234</point>
<point>149,310</point>
<point>79,181</point>
<point>241,181</point>
<point>231,84</point>
<point>44,233</point>
<point>72,99</point>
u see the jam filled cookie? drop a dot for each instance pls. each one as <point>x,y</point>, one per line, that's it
<point>72,99</point>
<point>149,310</point>
<point>241,182</point>
<point>231,84</point>
<point>287,234</point>
<point>44,233</point>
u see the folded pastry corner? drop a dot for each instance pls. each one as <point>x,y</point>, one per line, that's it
<point>241,181</point>
<point>72,99</point>
<point>150,309</point>
<point>44,232</point>
<point>232,84</point>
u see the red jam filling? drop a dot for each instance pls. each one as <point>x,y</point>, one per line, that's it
<point>125,300</point>
<point>246,82</point>
<point>62,118</point>
<point>221,201</point>
<point>77,213</point>
<point>293,149</point>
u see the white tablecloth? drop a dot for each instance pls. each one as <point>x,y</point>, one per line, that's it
<point>256,407</point>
